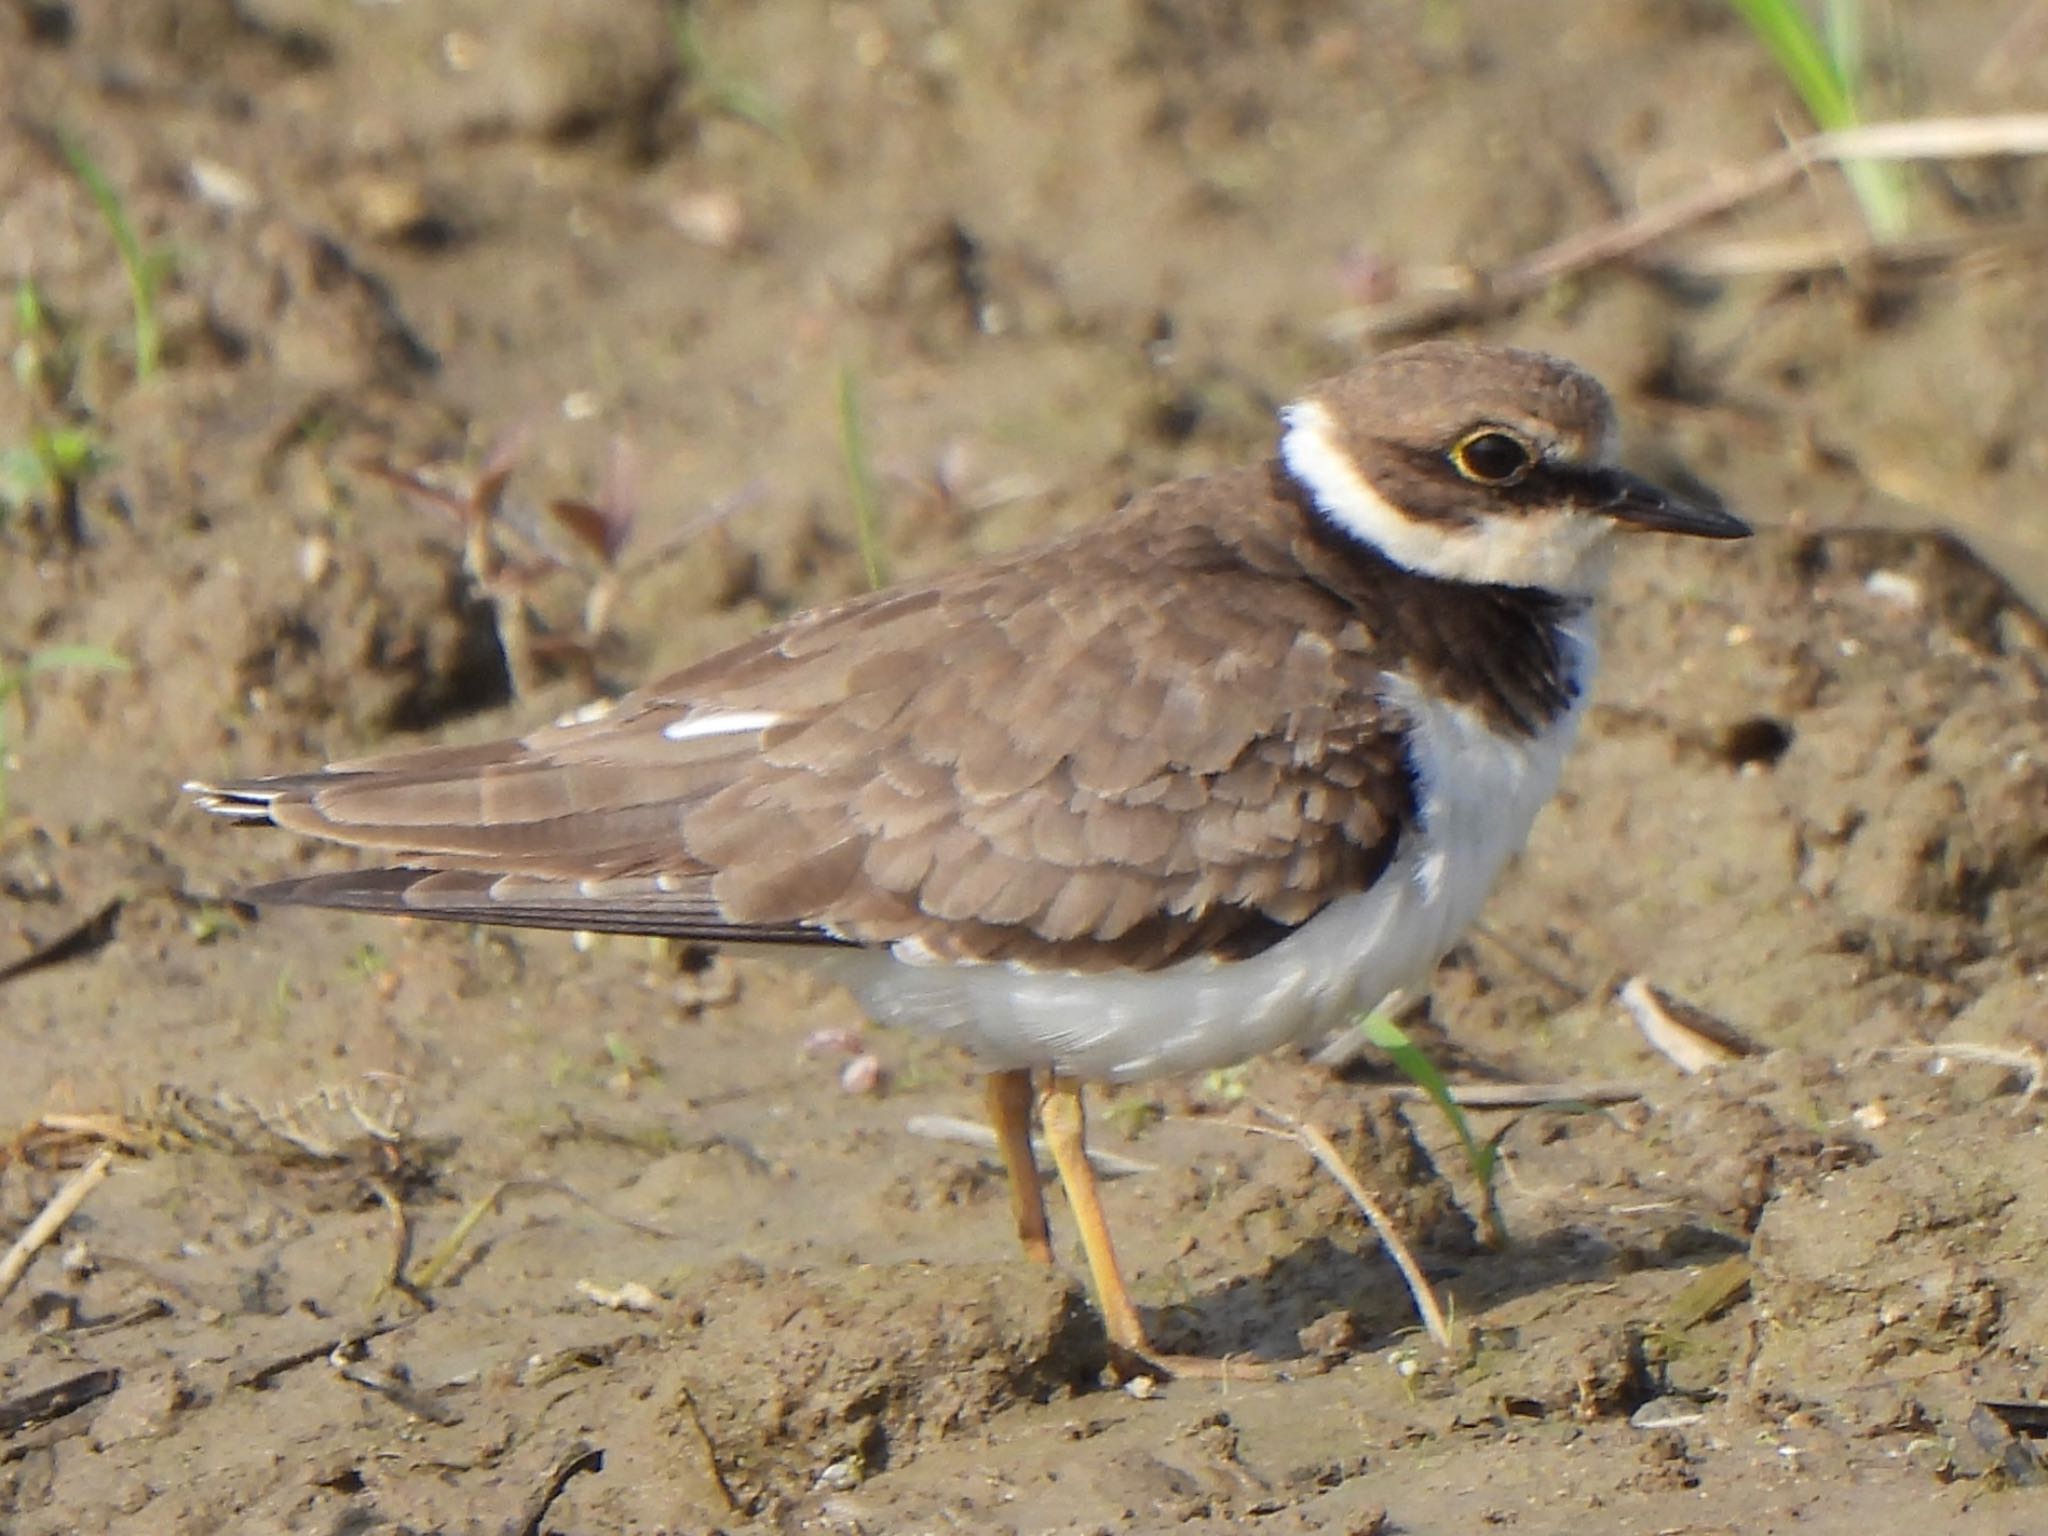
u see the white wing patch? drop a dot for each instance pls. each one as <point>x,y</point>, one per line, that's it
<point>723,722</point>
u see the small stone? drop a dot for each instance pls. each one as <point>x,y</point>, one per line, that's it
<point>629,1297</point>
<point>1331,1336</point>
<point>220,185</point>
<point>387,208</point>
<point>1666,1413</point>
<point>1874,1116</point>
<point>714,218</point>
<point>1894,587</point>
<point>840,1477</point>
<point>316,558</point>
<point>862,1075</point>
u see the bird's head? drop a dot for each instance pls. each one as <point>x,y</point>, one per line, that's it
<point>1478,464</point>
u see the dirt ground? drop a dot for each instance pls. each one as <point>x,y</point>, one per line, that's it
<point>404,1221</point>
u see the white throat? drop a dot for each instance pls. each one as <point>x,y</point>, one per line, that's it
<point>1564,552</point>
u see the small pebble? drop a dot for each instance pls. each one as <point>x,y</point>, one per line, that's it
<point>316,558</point>
<point>221,185</point>
<point>379,206</point>
<point>1666,1413</point>
<point>630,1297</point>
<point>1893,587</point>
<point>861,1075</point>
<point>715,219</point>
<point>840,1477</point>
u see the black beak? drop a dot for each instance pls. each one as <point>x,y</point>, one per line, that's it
<point>1636,503</point>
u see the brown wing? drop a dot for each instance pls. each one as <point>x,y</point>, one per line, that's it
<point>1113,752</point>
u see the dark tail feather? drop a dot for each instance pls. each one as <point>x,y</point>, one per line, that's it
<point>464,897</point>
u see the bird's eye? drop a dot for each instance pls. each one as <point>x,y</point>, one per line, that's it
<point>1491,456</point>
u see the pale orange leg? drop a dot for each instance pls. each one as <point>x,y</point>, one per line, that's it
<point>1131,1353</point>
<point>1009,1112</point>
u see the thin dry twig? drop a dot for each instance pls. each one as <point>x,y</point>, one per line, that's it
<point>352,1363</point>
<point>50,1220</point>
<point>401,1243</point>
<point>171,1118</point>
<point>712,1472</point>
<point>579,1458</point>
<point>144,1312</point>
<point>435,1267</point>
<point>260,1377</point>
<point>499,577</point>
<point>1318,1146</point>
<point>1616,239</point>
<point>1826,251</point>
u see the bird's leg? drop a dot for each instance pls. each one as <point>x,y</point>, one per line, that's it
<point>1009,1112</point>
<point>1066,1132</point>
<point>1131,1353</point>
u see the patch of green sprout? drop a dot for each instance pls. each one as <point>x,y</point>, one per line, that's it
<point>629,1058</point>
<point>564,1071</point>
<point>1481,1157</point>
<point>44,359</point>
<point>47,472</point>
<point>1227,1085</point>
<point>211,921</point>
<point>1826,66</point>
<point>860,480</point>
<point>284,997</point>
<point>52,466</point>
<point>368,963</point>
<point>14,681</point>
<point>1133,1114</point>
<point>146,268</point>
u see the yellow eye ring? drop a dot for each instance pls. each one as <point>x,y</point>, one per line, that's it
<point>1492,456</point>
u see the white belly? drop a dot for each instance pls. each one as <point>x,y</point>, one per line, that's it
<point>1481,791</point>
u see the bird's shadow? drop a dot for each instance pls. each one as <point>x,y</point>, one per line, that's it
<point>1326,1297</point>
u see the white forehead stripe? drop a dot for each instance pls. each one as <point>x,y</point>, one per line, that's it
<point>726,722</point>
<point>1561,551</point>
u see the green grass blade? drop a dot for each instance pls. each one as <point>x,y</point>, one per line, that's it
<point>1789,36</point>
<point>144,269</point>
<point>1414,1064</point>
<point>715,89</point>
<point>860,480</point>
<point>1482,1157</point>
<point>95,658</point>
<point>1826,72</point>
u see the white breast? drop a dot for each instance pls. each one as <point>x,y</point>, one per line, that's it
<point>1480,792</point>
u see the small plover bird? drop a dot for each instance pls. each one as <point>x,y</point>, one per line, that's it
<point>1211,776</point>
